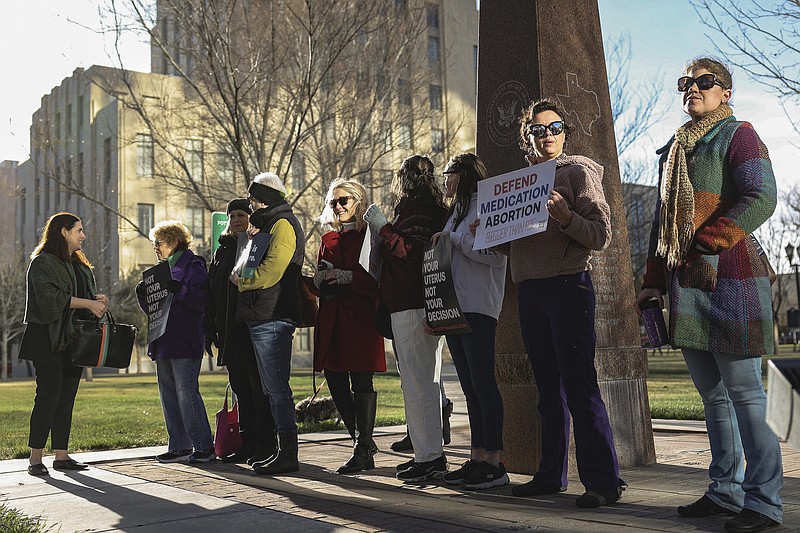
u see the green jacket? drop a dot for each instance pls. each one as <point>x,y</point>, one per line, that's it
<point>50,284</point>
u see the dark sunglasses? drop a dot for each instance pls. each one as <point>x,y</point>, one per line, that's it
<point>342,201</point>
<point>451,171</point>
<point>704,82</point>
<point>540,130</point>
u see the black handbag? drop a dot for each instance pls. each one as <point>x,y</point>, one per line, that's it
<point>102,344</point>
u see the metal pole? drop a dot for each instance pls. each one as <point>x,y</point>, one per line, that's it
<point>797,286</point>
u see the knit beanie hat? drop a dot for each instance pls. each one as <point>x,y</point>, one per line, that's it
<point>268,188</point>
<point>238,204</point>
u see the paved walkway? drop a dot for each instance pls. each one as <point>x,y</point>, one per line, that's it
<point>126,490</point>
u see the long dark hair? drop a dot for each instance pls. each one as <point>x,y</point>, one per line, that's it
<point>53,242</point>
<point>415,177</point>
<point>471,170</point>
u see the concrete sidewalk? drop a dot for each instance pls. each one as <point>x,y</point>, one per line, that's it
<point>127,490</point>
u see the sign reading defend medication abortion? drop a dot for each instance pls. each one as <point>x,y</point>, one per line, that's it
<point>512,205</point>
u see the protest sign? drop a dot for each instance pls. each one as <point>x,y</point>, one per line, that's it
<point>512,205</point>
<point>250,253</point>
<point>158,299</point>
<point>442,309</point>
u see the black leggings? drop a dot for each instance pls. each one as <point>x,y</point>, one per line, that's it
<point>52,408</point>
<point>339,382</point>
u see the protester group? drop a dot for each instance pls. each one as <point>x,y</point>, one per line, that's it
<point>716,187</point>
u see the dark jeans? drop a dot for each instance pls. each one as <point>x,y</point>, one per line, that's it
<point>556,317</point>
<point>473,357</point>
<point>52,408</point>
<point>256,424</point>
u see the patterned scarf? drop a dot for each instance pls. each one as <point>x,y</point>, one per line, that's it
<point>676,229</point>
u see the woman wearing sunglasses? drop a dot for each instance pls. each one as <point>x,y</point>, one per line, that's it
<point>419,213</point>
<point>717,187</point>
<point>347,346</point>
<point>479,278</point>
<point>556,313</point>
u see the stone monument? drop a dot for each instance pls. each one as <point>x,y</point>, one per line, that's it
<point>554,48</point>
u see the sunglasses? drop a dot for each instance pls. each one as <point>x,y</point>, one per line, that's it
<point>342,201</point>
<point>540,130</point>
<point>704,82</point>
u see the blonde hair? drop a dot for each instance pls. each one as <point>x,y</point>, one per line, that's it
<point>173,233</point>
<point>352,188</point>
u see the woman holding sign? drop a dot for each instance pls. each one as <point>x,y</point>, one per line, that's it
<point>479,278</point>
<point>178,353</point>
<point>717,187</point>
<point>419,213</point>
<point>60,286</point>
<point>347,346</point>
<point>556,313</point>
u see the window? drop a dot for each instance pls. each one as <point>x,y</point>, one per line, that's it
<point>437,140</point>
<point>22,203</point>
<point>194,159</point>
<point>403,94</point>
<point>329,129</point>
<point>386,189</point>
<point>433,15</point>
<point>79,171</point>
<point>298,171</point>
<point>57,127</point>
<point>80,111</point>
<point>68,184</point>
<point>225,167</point>
<point>195,217</point>
<point>144,155</point>
<point>69,120</point>
<point>145,215</point>
<point>435,97</point>
<point>107,160</point>
<point>433,49</point>
<point>386,133</point>
<point>380,87</point>
<point>404,136</point>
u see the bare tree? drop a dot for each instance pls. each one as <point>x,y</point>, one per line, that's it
<point>773,235</point>
<point>12,307</point>
<point>761,38</point>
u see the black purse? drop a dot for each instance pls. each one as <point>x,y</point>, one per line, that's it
<point>102,344</point>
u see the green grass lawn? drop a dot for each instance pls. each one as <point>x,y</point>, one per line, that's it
<point>123,411</point>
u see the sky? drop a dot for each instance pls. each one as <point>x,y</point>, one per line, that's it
<point>664,36</point>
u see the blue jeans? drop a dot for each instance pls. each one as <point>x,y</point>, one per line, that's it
<point>735,407</point>
<point>184,411</point>
<point>473,357</point>
<point>272,342</point>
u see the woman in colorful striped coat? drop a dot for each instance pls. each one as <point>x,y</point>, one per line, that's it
<point>717,187</point>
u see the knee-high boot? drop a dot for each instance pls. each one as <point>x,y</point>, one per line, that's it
<point>366,404</point>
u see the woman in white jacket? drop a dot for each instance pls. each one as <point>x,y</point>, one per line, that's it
<point>479,279</point>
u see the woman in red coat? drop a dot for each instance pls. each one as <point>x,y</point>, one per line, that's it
<point>346,344</point>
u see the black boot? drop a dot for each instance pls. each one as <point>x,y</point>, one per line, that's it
<point>265,452</point>
<point>347,413</point>
<point>365,448</point>
<point>286,460</point>
<point>447,410</point>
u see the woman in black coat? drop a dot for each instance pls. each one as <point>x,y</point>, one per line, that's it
<point>235,350</point>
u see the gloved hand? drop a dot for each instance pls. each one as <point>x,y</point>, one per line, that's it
<point>174,286</point>
<point>319,278</point>
<point>343,277</point>
<point>211,338</point>
<point>375,218</point>
<point>140,290</point>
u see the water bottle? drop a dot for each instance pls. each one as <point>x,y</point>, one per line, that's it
<point>654,324</point>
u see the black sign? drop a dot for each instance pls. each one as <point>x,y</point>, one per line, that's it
<point>158,299</point>
<point>441,303</point>
<point>250,253</point>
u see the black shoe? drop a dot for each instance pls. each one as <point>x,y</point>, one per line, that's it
<point>457,476</point>
<point>403,445</point>
<point>360,460</point>
<point>262,457</point>
<point>486,476</point>
<point>447,410</point>
<point>203,456</point>
<point>405,466</point>
<point>69,464</point>
<point>702,508</point>
<point>237,457</point>
<point>286,461</point>
<point>534,487</point>
<point>598,498</point>
<point>38,470</point>
<point>174,456</point>
<point>749,521</point>
<point>435,469</point>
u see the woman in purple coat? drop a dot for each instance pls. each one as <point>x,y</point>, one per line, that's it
<point>178,353</point>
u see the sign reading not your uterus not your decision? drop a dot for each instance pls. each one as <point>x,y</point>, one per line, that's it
<point>512,205</point>
<point>442,309</point>
<point>158,299</point>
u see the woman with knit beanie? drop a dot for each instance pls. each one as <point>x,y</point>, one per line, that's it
<point>419,213</point>
<point>347,345</point>
<point>234,347</point>
<point>716,187</point>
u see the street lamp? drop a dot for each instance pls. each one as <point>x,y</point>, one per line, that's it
<point>790,255</point>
